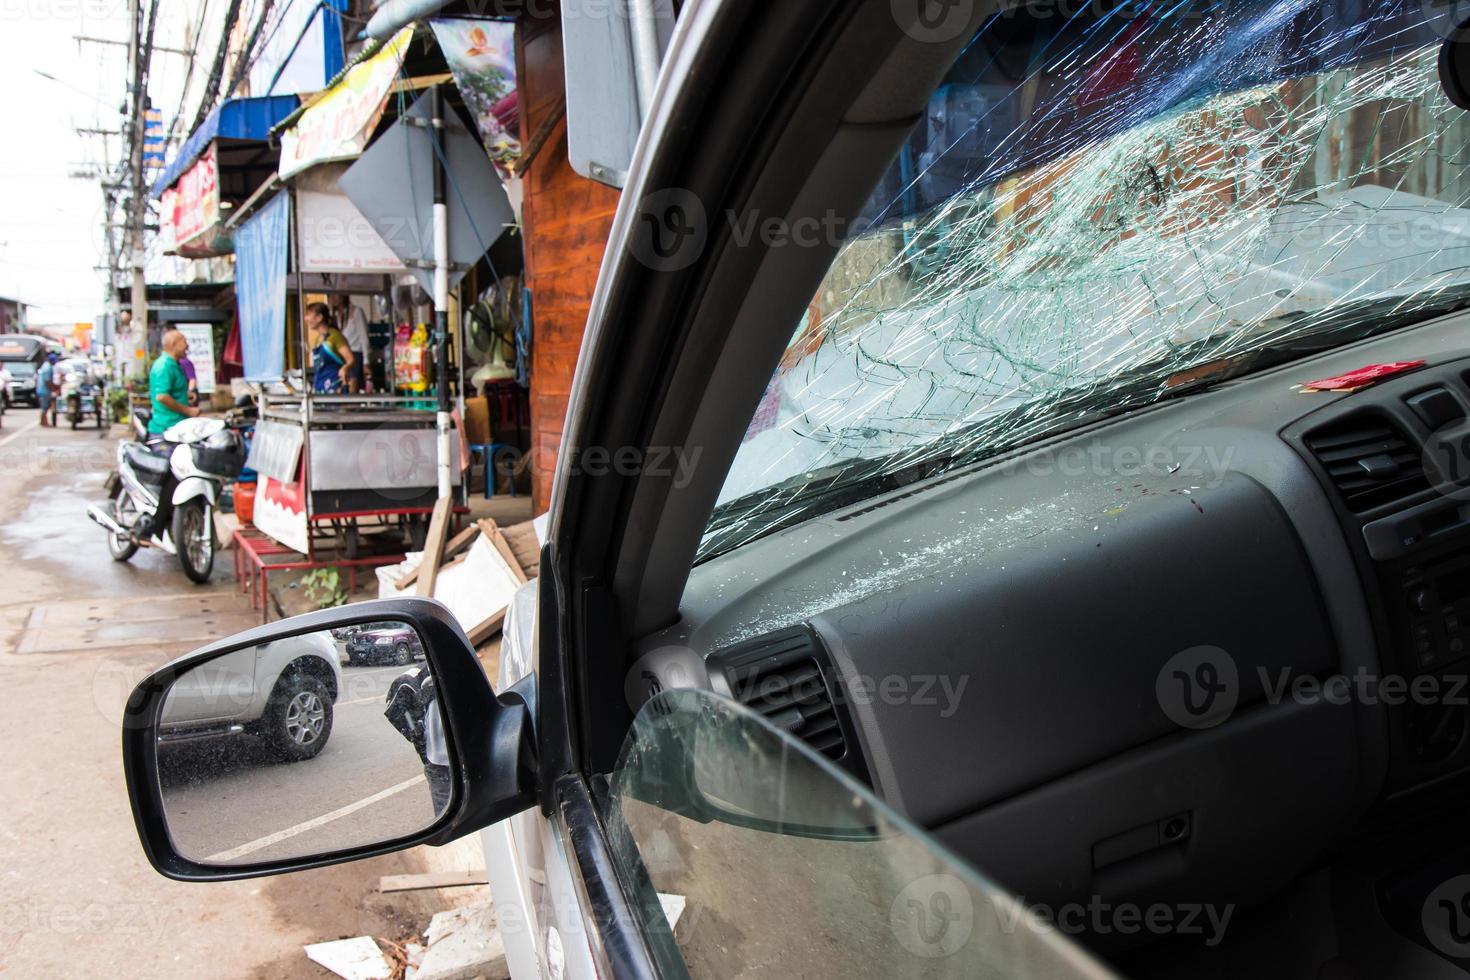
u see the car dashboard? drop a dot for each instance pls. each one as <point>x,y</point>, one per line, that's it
<point>1191,651</point>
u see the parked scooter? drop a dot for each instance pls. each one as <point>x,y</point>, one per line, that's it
<point>164,491</point>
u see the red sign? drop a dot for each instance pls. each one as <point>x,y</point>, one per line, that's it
<point>196,200</point>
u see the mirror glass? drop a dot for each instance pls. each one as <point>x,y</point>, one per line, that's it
<point>304,745</point>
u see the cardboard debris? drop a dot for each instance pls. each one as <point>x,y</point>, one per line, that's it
<point>456,544</point>
<point>463,943</point>
<point>525,545</point>
<point>475,574</point>
<point>673,908</point>
<point>415,954</point>
<point>355,959</point>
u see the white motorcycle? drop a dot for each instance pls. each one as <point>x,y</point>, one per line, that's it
<point>164,491</point>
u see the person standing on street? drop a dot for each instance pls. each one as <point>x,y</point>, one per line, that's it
<point>46,390</point>
<point>355,328</point>
<point>168,386</point>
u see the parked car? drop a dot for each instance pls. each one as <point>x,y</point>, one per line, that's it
<point>22,354</point>
<point>22,381</point>
<point>1041,523</point>
<point>395,644</point>
<point>281,692</point>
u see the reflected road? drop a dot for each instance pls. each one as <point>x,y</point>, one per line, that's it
<point>231,799</point>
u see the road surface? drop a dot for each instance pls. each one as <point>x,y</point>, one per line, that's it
<point>230,800</point>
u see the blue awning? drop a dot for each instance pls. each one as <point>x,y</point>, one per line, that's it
<point>239,119</point>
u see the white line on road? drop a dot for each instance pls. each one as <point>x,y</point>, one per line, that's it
<point>315,822</point>
<point>20,432</point>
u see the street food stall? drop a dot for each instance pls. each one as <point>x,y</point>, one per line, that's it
<point>350,216</point>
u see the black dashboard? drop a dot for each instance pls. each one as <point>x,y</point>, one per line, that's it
<point>1189,649</point>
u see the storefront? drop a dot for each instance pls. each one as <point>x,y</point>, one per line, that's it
<point>347,222</point>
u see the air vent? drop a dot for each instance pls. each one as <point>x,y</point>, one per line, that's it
<point>1370,461</point>
<point>783,677</point>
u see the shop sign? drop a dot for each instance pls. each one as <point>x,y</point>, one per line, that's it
<point>338,125</point>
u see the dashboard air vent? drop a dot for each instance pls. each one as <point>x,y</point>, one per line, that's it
<point>1370,461</point>
<point>783,677</point>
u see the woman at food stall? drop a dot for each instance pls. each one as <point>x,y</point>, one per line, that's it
<point>331,358</point>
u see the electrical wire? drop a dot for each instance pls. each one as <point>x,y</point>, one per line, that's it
<point>217,71</point>
<point>189,71</point>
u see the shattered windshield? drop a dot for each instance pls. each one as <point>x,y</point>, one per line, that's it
<point>1107,204</point>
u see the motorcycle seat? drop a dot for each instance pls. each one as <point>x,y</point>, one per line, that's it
<point>143,461</point>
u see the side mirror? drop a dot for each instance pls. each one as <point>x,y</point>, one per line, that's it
<point>323,738</point>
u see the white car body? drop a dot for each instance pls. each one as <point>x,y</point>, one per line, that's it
<point>236,688</point>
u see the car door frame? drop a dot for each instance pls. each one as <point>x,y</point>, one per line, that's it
<point>759,113</point>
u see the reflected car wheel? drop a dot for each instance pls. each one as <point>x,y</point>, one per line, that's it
<point>401,655</point>
<point>299,717</point>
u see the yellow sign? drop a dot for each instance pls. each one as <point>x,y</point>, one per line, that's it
<point>339,123</point>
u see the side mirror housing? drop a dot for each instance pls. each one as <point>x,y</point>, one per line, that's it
<point>323,738</point>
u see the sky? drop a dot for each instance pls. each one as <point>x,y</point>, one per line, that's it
<point>51,224</point>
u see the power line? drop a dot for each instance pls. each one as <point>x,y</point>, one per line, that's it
<point>248,54</point>
<point>217,71</point>
<point>189,73</point>
<point>124,44</point>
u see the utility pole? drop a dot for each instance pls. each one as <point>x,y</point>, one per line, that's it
<point>138,67</point>
<point>109,332</point>
<point>441,300</point>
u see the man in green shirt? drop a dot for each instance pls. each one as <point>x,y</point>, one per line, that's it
<point>168,387</point>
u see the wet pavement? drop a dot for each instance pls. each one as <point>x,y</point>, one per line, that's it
<point>63,472</point>
<point>77,631</point>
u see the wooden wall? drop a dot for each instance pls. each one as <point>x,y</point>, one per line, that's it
<point>566,219</point>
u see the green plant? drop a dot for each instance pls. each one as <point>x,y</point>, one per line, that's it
<point>323,586</point>
<point>118,404</point>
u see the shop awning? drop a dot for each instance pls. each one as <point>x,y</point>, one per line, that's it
<point>241,119</point>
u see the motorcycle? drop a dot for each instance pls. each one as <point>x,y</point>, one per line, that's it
<point>82,396</point>
<point>164,491</point>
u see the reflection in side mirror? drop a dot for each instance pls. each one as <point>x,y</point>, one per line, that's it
<point>327,737</point>
<point>302,745</point>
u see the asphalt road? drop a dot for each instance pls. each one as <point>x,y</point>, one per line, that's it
<point>231,800</point>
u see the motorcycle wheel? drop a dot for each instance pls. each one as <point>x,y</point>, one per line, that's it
<point>194,539</point>
<point>121,547</point>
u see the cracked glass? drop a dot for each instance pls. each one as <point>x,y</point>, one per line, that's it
<point>1109,204</point>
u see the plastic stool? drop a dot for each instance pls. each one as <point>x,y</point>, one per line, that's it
<point>488,449</point>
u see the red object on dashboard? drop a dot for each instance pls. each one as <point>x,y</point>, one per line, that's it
<point>1363,376</point>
